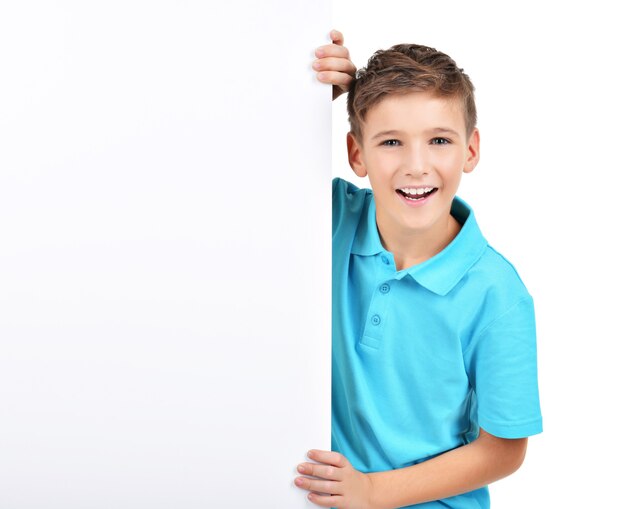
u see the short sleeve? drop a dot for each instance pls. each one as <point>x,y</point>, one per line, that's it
<point>502,367</point>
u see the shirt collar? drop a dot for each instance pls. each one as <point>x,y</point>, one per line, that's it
<point>442,272</point>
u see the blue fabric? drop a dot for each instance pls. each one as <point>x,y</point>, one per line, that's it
<point>425,356</point>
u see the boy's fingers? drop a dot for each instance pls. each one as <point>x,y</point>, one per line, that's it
<point>337,37</point>
<point>330,487</point>
<point>334,64</point>
<point>329,457</point>
<point>332,50</point>
<point>340,79</point>
<point>325,500</point>
<point>327,472</point>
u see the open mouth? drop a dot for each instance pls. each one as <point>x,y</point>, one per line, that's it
<point>416,193</point>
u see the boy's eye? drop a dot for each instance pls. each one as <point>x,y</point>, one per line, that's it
<point>391,143</point>
<point>440,141</point>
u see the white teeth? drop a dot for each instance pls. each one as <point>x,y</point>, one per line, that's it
<point>415,191</point>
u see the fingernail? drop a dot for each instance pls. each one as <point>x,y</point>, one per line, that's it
<point>299,481</point>
<point>319,52</point>
<point>301,468</point>
<point>316,65</point>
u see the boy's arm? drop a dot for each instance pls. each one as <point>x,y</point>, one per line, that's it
<point>460,470</point>
<point>333,64</point>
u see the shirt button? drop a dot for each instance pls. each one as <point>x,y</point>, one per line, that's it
<point>384,288</point>
<point>375,320</point>
<point>384,259</point>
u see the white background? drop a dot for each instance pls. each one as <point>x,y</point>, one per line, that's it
<point>164,253</point>
<point>549,80</point>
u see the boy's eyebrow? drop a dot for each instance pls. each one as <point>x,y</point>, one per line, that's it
<point>385,133</point>
<point>443,130</point>
<point>434,130</point>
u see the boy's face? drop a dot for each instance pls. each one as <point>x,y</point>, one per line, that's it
<point>414,149</point>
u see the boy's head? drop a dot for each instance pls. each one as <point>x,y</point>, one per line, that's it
<point>413,134</point>
<point>406,68</point>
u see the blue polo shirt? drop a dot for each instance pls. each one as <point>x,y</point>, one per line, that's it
<point>424,356</point>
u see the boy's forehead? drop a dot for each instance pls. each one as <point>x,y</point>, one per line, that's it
<point>418,109</point>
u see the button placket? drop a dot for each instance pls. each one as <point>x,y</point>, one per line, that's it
<point>373,335</point>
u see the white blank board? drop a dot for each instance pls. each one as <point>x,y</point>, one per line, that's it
<point>164,253</point>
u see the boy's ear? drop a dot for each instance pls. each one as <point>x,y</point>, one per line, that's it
<point>355,155</point>
<point>473,152</point>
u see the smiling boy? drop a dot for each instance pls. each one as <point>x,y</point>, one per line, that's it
<point>414,148</point>
<point>434,356</point>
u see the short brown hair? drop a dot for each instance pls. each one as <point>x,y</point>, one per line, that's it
<point>406,68</point>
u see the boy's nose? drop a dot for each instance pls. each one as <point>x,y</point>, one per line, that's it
<point>417,163</point>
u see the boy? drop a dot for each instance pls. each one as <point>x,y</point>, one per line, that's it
<point>434,358</point>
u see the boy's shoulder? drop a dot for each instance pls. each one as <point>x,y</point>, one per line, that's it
<point>500,267</point>
<point>349,204</point>
<point>498,277</point>
<point>496,287</point>
<point>349,191</point>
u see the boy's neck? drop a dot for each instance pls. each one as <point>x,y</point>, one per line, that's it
<point>410,248</point>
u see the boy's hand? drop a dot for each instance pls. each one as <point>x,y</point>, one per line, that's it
<point>347,488</point>
<point>334,65</point>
